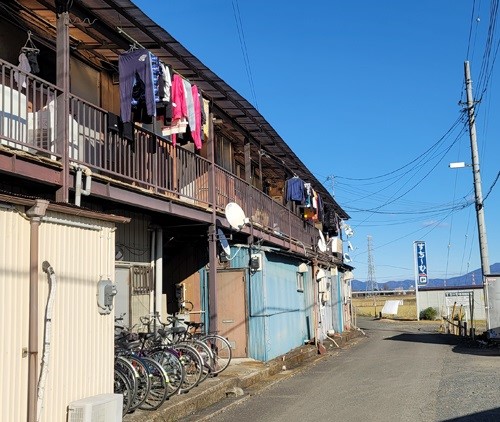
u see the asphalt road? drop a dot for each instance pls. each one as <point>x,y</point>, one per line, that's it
<point>401,371</point>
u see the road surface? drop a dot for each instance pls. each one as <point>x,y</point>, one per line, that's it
<point>401,371</point>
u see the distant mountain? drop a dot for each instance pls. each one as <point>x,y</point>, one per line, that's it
<point>469,279</point>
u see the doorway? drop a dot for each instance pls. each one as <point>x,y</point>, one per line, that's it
<point>231,310</point>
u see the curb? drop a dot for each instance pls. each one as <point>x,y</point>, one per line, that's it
<point>214,390</point>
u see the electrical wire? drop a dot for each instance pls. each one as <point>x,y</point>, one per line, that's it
<point>491,187</point>
<point>244,50</point>
<point>416,159</point>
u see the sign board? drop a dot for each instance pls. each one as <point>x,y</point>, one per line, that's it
<point>421,263</point>
<point>460,298</point>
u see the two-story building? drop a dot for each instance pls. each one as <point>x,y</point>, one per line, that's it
<point>121,155</point>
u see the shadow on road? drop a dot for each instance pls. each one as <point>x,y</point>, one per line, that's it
<point>469,347</point>
<point>461,345</point>
<point>491,415</point>
<point>432,338</point>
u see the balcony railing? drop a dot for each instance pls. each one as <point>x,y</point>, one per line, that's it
<point>29,110</point>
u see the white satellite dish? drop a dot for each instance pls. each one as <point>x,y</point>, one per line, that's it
<point>348,231</point>
<point>223,242</point>
<point>347,258</point>
<point>321,242</point>
<point>235,216</point>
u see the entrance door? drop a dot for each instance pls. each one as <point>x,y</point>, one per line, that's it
<point>231,310</point>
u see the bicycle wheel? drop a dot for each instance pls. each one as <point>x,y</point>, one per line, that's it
<point>169,360</point>
<point>206,356</point>
<point>144,381</point>
<point>193,366</point>
<point>122,386</point>
<point>158,388</point>
<point>129,371</point>
<point>221,349</point>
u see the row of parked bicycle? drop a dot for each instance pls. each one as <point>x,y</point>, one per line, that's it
<point>157,360</point>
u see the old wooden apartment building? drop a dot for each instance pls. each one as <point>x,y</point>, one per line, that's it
<point>119,154</point>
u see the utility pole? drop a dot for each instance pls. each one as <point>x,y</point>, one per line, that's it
<point>483,242</point>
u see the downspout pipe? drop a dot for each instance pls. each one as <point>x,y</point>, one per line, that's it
<point>79,190</point>
<point>35,214</point>
<point>159,272</point>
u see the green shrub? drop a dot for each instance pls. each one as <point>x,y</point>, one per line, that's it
<point>429,314</point>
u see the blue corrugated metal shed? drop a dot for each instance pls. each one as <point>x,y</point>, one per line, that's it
<point>277,312</point>
<point>280,316</point>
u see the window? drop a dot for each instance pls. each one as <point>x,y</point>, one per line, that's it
<point>300,282</point>
<point>224,153</point>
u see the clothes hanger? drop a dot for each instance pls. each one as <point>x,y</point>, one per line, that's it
<point>133,47</point>
<point>29,45</point>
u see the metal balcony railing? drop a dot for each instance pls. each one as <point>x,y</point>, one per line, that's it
<point>29,110</point>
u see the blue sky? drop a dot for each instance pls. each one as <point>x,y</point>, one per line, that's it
<point>367,95</point>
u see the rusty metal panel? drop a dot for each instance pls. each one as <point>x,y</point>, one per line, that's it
<point>14,294</point>
<point>81,351</point>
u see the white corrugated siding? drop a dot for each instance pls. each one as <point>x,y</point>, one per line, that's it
<point>81,360</point>
<point>81,353</point>
<point>14,284</point>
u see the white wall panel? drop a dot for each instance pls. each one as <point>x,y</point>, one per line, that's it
<point>81,359</point>
<point>80,363</point>
<point>14,285</point>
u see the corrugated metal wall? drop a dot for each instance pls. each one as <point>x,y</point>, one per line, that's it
<point>257,327</point>
<point>277,311</point>
<point>133,240</point>
<point>285,308</point>
<point>81,350</point>
<point>14,294</point>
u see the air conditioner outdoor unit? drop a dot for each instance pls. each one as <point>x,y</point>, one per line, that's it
<point>100,408</point>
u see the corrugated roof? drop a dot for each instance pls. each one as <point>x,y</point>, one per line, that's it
<point>106,28</point>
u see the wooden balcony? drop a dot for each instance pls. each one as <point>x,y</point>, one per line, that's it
<point>31,126</point>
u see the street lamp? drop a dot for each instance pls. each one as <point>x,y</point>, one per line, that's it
<point>459,165</point>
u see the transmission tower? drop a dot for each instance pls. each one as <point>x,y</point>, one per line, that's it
<point>371,284</point>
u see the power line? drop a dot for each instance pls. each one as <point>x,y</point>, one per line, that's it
<point>244,50</point>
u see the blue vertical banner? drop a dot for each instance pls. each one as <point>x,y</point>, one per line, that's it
<point>421,263</point>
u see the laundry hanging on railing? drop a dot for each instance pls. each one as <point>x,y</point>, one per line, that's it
<point>151,93</point>
<point>294,190</point>
<point>137,74</point>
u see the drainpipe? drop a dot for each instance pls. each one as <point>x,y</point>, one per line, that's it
<point>79,168</point>
<point>35,214</point>
<point>314,268</point>
<point>153,275</point>
<point>159,272</point>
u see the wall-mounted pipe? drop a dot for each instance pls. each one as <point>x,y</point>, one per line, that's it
<point>159,273</point>
<point>35,214</point>
<point>79,190</point>
<point>44,366</point>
